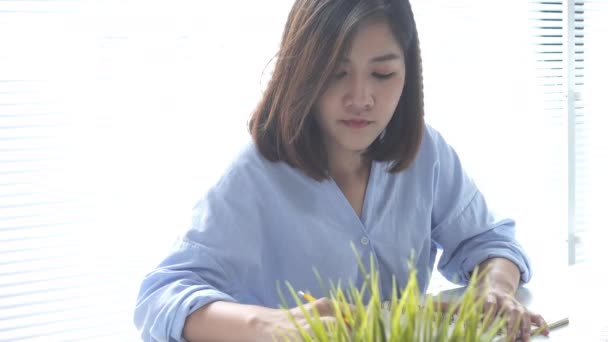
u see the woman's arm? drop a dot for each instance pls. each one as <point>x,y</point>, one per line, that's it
<point>463,225</point>
<point>206,264</point>
<point>500,273</point>
<point>471,235</point>
<point>498,283</point>
<point>225,321</point>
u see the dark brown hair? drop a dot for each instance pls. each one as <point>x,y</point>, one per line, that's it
<point>316,35</point>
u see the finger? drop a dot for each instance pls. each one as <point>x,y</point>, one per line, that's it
<point>349,313</point>
<point>336,308</point>
<point>345,312</point>
<point>284,335</point>
<point>324,306</point>
<point>287,334</point>
<point>328,307</point>
<point>446,307</point>
<point>514,315</point>
<point>346,309</point>
<point>327,322</point>
<point>441,306</point>
<point>525,327</point>
<point>490,307</point>
<point>540,322</point>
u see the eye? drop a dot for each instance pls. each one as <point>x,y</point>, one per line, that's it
<point>339,75</point>
<point>383,76</point>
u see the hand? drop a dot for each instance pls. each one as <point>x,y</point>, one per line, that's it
<point>519,319</point>
<point>276,324</point>
<point>498,283</point>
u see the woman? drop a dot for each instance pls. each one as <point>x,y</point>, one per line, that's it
<point>340,154</point>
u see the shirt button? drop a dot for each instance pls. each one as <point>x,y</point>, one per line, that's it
<point>364,241</point>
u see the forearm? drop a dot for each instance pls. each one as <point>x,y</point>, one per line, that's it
<point>226,321</point>
<point>500,273</point>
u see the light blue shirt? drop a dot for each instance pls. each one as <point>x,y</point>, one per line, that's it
<point>265,223</point>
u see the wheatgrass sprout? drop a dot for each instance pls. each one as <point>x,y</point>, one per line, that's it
<point>408,316</point>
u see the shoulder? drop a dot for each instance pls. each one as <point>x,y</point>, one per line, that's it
<point>434,144</point>
<point>433,150</point>
<point>235,194</point>
<point>436,166</point>
<point>248,187</point>
<point>245,170</point>
<point>248,159</point>
<point>250,174</point>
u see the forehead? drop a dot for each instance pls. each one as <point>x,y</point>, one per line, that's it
<point>373,37</point>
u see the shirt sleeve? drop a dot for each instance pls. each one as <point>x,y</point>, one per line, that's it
<point>185,281</point>
<point>462,224</point>
<point>204,265</point>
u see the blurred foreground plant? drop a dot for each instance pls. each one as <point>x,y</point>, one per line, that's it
<point>407,316</point>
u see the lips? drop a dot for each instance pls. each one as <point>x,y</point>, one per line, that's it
<point>356,124</point>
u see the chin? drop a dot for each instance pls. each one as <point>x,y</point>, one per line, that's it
<point>357,147</point>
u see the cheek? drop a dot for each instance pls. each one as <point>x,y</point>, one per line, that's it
<point>327,104</point>
<point>391,93</point>
<point>320,113</point>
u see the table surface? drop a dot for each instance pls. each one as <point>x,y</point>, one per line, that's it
<point>575,292</point>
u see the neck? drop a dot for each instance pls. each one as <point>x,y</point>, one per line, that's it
<point>347,166</point>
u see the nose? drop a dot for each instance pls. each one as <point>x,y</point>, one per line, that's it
<point>359,96</point>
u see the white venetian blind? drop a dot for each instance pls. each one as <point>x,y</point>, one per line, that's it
<point>58,281</point>
<point>114,117</point>
<point>566,36</point>
<point>514,86</point>
<point>556,29</point>
<point>482,92</point>
<point>592,121</point>
<point>47,289</point>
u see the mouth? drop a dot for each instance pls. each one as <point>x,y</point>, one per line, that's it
<point>355,124</point>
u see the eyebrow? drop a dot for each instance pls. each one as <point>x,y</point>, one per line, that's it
<point>378,59</point>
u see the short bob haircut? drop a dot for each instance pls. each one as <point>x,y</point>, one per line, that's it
<point>316,35</point>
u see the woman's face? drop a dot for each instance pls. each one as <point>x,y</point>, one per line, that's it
<point>364,91</point>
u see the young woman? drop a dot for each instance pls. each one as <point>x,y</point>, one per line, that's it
<point>340,153</point>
